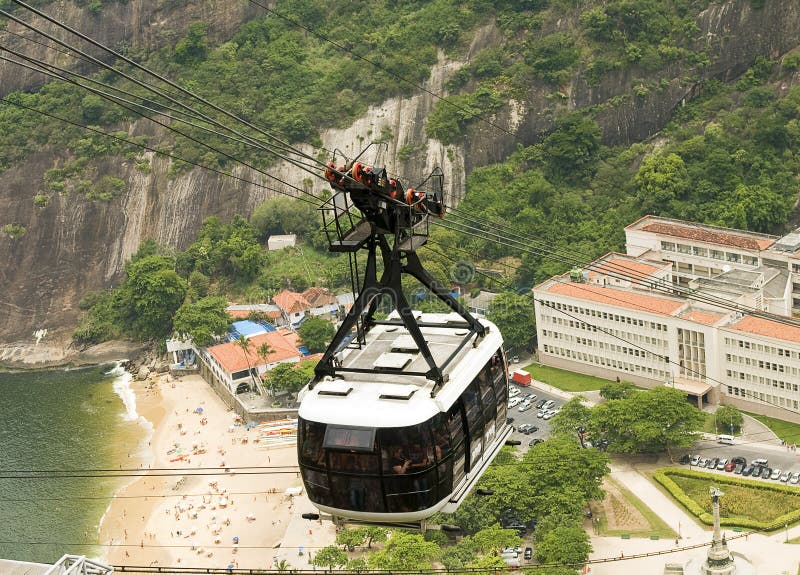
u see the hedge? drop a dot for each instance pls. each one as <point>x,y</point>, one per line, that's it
<point>662,476</point>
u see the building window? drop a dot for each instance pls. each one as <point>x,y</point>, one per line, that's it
<point>700,251</point>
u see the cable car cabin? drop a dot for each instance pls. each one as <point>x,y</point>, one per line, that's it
<point>376,447</point>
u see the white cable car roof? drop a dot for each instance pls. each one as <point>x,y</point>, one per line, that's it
<point>389,400</point>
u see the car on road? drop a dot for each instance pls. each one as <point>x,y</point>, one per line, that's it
<point>722,463</point>
<point>514,402</point>
<point>795,477</point>
<point>513,392</point>
<point>528,554</point>
<point>525,406</point>
<point>785,476</point>
<point>730,466</point>
<point>738,469</point>
<point>776,474</point>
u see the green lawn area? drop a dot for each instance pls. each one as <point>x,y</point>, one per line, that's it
<point>657,525</point>
<point>756,502</point>
<point>786,430</point>
<point>708,427</point>
<point>566,380</point>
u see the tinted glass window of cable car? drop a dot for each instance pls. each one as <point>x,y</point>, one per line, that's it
<point>396,470</point>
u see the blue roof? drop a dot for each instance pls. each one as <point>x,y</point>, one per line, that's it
<point>248,328</point>
<point>304,350</point>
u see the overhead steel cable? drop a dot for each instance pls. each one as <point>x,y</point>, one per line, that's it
<point>159,152</point>
<point>277,142</point>
<point>134,108</point>
<point>629,275</point>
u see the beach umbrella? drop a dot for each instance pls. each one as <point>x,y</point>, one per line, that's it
<point>223,502</point>
<point>199,410</point>
<point>236,540</point>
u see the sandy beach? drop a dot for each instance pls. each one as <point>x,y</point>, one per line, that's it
<point>214,520</point>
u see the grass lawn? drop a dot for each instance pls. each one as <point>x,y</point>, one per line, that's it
<point>708,427</point>
<point>786,430</point>
<point>657,525</point>
<point>739,502</point>
<point>566,380</point>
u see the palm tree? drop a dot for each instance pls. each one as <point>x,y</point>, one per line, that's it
<point>264,350</point>
<point>245,346</point>
<point>282,566</point>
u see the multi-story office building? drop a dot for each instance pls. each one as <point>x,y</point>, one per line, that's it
<point>633,319</point>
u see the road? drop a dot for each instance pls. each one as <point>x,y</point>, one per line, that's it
<point>530,416</point>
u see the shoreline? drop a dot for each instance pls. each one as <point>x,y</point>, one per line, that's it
<point>192,521</point>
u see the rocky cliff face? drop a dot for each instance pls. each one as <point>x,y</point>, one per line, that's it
<point>73,245</point>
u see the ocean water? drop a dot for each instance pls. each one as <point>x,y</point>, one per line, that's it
<point>63,420</point>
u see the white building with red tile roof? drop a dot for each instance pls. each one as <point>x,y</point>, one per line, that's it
<point>612,320</point>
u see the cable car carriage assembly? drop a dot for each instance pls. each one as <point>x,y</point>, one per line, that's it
<point>405,413</point>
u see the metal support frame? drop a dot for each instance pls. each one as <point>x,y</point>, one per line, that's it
<point>381,216</point>
<point>78,565</point>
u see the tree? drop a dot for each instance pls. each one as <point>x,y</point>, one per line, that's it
<point>650,421</point>
<point>282,566</point>
<point>330,557</point>
<point>404,552</point>
<point>285,376</point>
<point>246,345</point>
<point>574,416</point>
<point>202,320</point>
<point>263,351</point>
<point>729,417</point>
<point>563,544</point>
<point>515,317</point>
<point>359,535</point>
<point>283,215</point>
<point>661,180</point>
<point>488,565</point>
<point>316,333</point>
<point>492,540</point>
<point>150,296</point>
<point>617,390</point>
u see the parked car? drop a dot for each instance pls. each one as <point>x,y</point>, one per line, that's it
<point>528,554</point>
<point>795,477</point>
<point>549,414</point>
<point>549,404</point>
<point>712,464</point>
<point>742,460</point>
<point>695,460</point>
<point>762,462</point>
<point>531,429</point>
<point>514,402</point>
<point>785,476</point>
<point>513,392</point>
<point>756,471</point>
<point>509,420</point>
<point>685,459</point>
<point>748,469</point>
<point>738,469</point>
<point>766,472</point>
<point>729,467</point>
<point>530,397</point>
<point>523,427</point>
<point>535,441</point>
<point>722,463</point>
<point>776,474</point>
<point>526,405</point>
<point>541,413</point>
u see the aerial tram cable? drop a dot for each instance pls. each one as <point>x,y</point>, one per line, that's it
<point>660,285</point>
<point>276,146</point>
<point>127,105</point>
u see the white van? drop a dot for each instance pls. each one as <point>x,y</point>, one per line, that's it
<point>725,439</point>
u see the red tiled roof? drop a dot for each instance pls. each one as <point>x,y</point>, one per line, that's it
<point>699,234</point>
<point>704,317</point>
<point>291,302</point>
<point>768,328</point>
<point>232,357</point>
<point>318,297</point>
<point>616,266</point>
<point>617,298</point>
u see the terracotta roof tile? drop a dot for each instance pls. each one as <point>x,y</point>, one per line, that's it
<point>617,298</point>
<point>703,317</point>
<point>723,238</point>
<point>318,297</point>
<point>768,328</point>
<point>232,358</point>
<point>615,266</point>
<point>291,302</point>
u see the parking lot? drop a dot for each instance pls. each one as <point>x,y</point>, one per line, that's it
<point>786,462</point>
<point>529,416</point>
